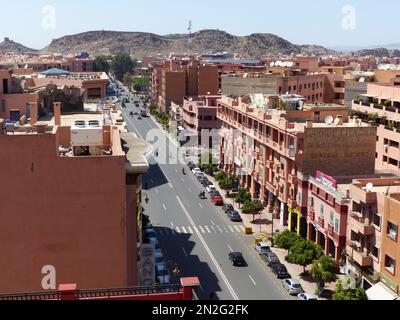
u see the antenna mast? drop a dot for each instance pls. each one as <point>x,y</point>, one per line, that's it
<point>190,37</point>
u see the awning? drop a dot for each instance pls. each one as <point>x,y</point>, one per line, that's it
<point>369,95</point>
<point>380,292</point>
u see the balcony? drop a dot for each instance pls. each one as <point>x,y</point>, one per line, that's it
<point>361,225</point>
<point>330,230</point>
<point>292,203</point>
<point>321,222</point>
<point>311,214</point>
<point>269,164</point>
<point>293,179</point>
<point>357,254</point>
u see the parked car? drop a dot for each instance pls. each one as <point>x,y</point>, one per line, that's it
<point>262,247</point>
<point>234,216</point>
<point>159,258</point>
<point>151,236</point>
<point>215,193</point>
<point>237,259</point>
<point>196,171</point>
<point>200,176</point>
<point>280,271</point>
<point>162,275</point>
<point>217,200</point>
<point>210,188</point>
<point>293,286</point>
<point>227,207</point>
<point>270,258</point>
<point>205,182</point>
<point>306,296</point>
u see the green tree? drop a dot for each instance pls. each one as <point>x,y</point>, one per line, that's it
<point>122,64</point>
<point>140,83</point>
<point>221,175</point>
<point>323,270</point>
<point>304,252</point>
<point>346,289</point>
<point>251,207</point>
<point>101,64</point>
<point>242,196</point>
<point>286,239</point>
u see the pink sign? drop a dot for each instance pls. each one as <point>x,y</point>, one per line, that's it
<point>326,180</point>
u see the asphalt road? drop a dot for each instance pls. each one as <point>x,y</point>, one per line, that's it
<point>197,235</point>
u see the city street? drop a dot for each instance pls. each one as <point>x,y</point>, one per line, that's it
<point>197,235</point>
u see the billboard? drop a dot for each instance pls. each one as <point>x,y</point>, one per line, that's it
<point>326,180</point>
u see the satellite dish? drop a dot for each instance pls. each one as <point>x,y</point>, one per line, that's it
<point>301,104</point>
<point>361,79</point>
<point>329,119</point>
<point>369,187</point>
<point>245,75</point>
<point>290,64</point>
<point>272,64</point>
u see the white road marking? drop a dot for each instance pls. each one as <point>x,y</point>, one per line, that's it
<point>226,230</point>
<point>208,230</point>
<point>190,190</point>
<point>177,230</point>
<point>165,208</point>
<point>219,229</point>
<point>201,229</point>
<point>252,280</point>
<point>231,228</point>
<point>184,230</point>
<point>183,180</point>
<point>184,251</point>
<point>213,229</point>
<point>166,177</point>
<point>237,229</point>
<point>190,230</point>
<point>157,191</point>
<point>172,225</point>
<point>195,229</point>
<point>201,206</point>
<point>233,293</point>
<point>176,170</point>
<point>213,223</point>
<point>230,248</point>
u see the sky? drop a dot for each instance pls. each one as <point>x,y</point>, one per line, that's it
<point>35,23</point>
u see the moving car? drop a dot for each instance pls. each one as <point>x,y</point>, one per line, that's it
<point>306,296</point>
<point>234,216</point>
<point>227,207</point>
<point>270,258</point>
<point>293,286</point>
<point>262,247</point>
<point>217,200</point>
<point>280,271</point>
<point>237,259</point>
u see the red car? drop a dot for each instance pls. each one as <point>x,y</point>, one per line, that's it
<point>217,200</point>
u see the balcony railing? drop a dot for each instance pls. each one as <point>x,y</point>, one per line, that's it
<point>321,222</point>
<point>359,255</point>
<point>360,224</point>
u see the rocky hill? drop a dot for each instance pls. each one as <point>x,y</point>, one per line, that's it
<point>145,44</point>
<point>9,46</point>
<point>378,52</point>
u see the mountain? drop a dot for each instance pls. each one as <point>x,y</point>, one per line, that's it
<point>147,44</point>
<point>378,52</point>
<point>9,46</point>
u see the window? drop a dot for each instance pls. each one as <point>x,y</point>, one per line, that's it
<point>392,231</point>
<point>311,202</point>
<point>290,88</point>
<point>337,225</point>
<point>321,213</point>
<point>375,252</point>
<point>299,199</point>
<point>294,88</point>
<point>3,106</point>
<point>390,264</point>
<point>331,218</point>
<point>377,221</point>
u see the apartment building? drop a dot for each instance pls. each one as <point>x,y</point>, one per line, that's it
<point>335,83</point>
<point>270,140</point>
<point>71,203</point>
<point>199,113</point>
<point>381,105</point>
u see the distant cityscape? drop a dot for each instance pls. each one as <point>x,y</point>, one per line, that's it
<point>206,176</point>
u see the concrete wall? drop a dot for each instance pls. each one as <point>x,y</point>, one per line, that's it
<point>240,86</point>
<point>353,90</point>
<point>66,212</point>
<point>339,150</point>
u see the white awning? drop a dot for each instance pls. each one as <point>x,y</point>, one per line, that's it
<point>380,292</point>
<point>368,95</point>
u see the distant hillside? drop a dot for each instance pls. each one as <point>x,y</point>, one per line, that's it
<point>379,52</point>
<point>9,46</point>
<point>146,44</point>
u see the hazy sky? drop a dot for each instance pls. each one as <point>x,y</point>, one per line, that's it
<point>326,22</point>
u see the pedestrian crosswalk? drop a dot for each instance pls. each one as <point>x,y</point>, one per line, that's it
<point>203,229</point>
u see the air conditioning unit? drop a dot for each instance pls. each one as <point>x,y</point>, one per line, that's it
<point>85,134</point>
